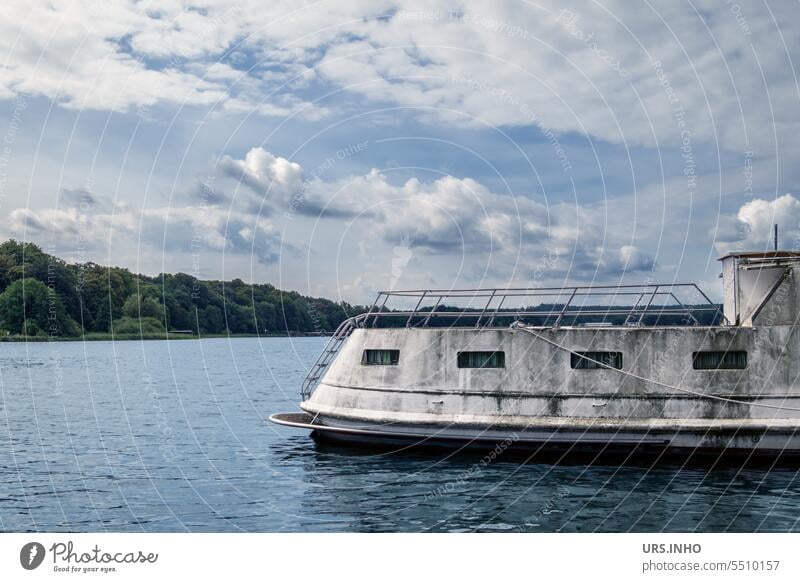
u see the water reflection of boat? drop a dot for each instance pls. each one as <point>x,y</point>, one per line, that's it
<point>648,372</point>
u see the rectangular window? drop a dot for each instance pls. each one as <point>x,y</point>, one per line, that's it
<point>595,360</point>
<point>380,357</point>
<point>734,360</point>
<point>481,359</point>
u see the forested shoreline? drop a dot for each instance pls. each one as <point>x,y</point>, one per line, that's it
<point>43,296</point>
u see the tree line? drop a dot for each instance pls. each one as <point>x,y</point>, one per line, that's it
<point>42,295</point>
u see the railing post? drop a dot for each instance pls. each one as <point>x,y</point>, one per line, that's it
<point>380,309</point>
<point>485,307</point>
<point>633,309</point>
<point>649,303</point>
<point>711,303</point>
<point>688,311</point>
<point>496,311</point>
<point>371,307</point>
<point>413,313</point>
<point>706,297</point>
<point>427,319</point>
<point>566,305</point>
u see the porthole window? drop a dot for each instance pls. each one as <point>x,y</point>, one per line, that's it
<point>380,357</point>
<point>728,360</point>
<point>481,359</point>
<point>595,360</point>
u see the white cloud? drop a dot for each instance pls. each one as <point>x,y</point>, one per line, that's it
<point>448,216</point>
<point>71,54</point>
<point>187,229</point>
<point>566,66</point>
<point>588,68</point>
<point>122,55</point>
<point>266,175</point>
<point>752,227</point>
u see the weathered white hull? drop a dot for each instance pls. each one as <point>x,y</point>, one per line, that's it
<point>654,398</point>
<point>756,440</point>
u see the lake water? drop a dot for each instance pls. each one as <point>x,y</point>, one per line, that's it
<point>173,436</point>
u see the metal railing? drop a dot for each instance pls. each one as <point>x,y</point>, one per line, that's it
<point>487,313</point>
<point>326,357</point>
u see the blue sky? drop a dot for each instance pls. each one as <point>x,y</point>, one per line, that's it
<point>337,148</point>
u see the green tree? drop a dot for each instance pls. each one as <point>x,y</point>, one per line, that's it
<point>265,316</point>
<point>6,265</point>
<point>102,292</point>
<point>211,319</point>
<point>28,307</point>
<point>23,260</point>
<point>137,306</point>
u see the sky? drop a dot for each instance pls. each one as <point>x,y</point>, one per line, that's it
<point>341,148</point>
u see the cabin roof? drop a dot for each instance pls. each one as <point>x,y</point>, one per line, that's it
<point>764,255</point>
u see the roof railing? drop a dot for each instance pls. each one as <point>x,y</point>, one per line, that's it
<point>485,314</point>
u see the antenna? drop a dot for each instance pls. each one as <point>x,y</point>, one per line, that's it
<point>776,237</point>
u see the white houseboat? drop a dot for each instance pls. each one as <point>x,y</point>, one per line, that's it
<point>599,369</point>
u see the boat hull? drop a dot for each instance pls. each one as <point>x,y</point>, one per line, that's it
<point>557,439</point>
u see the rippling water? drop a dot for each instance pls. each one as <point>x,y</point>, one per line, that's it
<point>172,436</point>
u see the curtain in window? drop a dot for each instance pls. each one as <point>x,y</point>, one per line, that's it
<point>733,360</point>
<point>481,359</point>
<point>596,360</point>
<point>380,357</point>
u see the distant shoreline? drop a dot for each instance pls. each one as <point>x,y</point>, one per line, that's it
<point>43,297</point>
<point>137,337</point>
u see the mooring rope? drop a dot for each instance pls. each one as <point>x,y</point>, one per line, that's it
<point>522,327</point>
